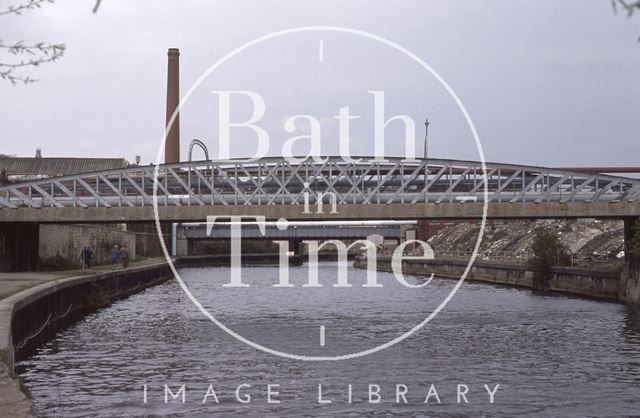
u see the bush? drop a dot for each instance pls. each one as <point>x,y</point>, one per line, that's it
<point>57,262</point>
<point>547,251</point>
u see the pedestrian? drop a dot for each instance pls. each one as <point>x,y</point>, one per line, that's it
<point>86,256</point>
<point>115,256</point>
<point>124,256</point>
<point>89,257</point>
<point>83,257</point>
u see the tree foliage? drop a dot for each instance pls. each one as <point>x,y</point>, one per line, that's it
<point>17,56</point>
<point>547,251</point>
<point>630,7</point>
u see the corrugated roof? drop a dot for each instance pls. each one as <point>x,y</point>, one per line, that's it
<point>58,166</point>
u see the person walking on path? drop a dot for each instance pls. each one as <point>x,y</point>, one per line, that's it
<point>89,257</point>
<point>115,256</point>
<point>83,257</point>
<point>124,256</point>
<point>86,256</point>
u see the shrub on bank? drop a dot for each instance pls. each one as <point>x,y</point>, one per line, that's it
<point>57,262</point>
<point>547,251</point>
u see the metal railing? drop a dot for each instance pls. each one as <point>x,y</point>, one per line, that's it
<point>519,257</point>
<point>522,257</point>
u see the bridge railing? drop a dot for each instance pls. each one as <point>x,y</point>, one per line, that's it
<point>276,181</point>
<point>518,257</point>
<point>522,257</point>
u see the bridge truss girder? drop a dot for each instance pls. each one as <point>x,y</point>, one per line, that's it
<point>276,181</point>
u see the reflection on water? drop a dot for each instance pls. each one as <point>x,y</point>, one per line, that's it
<point>551,355</point>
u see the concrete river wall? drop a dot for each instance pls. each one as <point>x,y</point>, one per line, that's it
<point>32,316</point>
<point>630,286</point>
<point>601,284</point>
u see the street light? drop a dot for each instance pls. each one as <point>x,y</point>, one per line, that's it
<point>426,161</point>
<point>426,134</point>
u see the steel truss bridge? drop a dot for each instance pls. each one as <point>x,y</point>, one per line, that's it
<point>362,189</point>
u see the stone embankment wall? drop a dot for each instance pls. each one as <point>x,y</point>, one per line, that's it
<point>599,284</point>
<point>67,241</point>
<point>630,286</point>
<point>32,316</point>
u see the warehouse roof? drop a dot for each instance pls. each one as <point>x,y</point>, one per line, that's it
<point>58,166</point>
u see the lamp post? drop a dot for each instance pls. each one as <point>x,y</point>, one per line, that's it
<point>426,161</point>
<point>426,141</point>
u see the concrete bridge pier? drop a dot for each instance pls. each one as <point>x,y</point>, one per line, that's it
<point>633,262</point>
<point>183,246</point>
<point>629,287</point>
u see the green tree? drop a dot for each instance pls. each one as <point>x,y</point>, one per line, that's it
<point>547,251</point>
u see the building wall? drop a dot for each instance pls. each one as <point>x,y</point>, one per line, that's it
<point>147,240</point>
<point>67,241</point>
<point>630,286</point>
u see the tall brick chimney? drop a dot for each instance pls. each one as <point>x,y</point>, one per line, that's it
<point>172,143</point>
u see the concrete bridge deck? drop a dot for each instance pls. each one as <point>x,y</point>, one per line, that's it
<point>527,210</point>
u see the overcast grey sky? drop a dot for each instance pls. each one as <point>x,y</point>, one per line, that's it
<point>546,82</point>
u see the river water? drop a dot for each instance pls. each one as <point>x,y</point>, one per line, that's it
<point>550,355</point>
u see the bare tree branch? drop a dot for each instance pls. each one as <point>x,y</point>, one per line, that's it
<point>38,54</point>
<point>629,6</point>
<point>26,5</point>
<point>18,55</point>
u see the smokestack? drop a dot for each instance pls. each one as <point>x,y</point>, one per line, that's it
<point>172,142</point>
